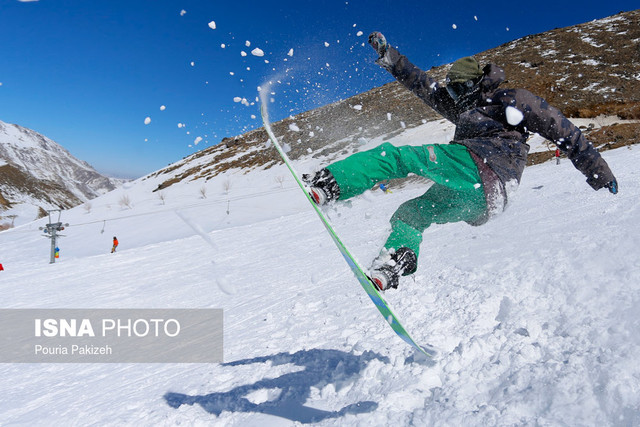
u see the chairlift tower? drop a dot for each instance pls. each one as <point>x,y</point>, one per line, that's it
<point>51,231</point>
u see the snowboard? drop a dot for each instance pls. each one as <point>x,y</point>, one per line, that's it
<point>357,270</point>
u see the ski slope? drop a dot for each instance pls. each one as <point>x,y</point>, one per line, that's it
<point>534,314</point>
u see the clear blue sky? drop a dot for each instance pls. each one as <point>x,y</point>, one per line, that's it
<point>87,73</point>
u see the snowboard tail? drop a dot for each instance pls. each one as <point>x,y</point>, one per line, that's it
<point>357,270</point>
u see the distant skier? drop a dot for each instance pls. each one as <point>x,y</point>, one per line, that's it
<point>471,175</point>
<point>557,156</point>
<point>385,188</point>
<point>115,244</point>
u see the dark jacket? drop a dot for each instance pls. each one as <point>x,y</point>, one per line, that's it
<point>482,125</point>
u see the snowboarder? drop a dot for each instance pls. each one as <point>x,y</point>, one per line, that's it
<point>115,244</point>
<point>473,174</point>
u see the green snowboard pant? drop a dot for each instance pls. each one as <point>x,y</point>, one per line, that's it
<point>456,195</point>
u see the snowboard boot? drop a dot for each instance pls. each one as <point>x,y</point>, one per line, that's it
<point>390,265</point>
<point>323,187</point>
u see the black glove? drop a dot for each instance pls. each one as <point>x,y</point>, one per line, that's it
<point>612,186</point>
<point>378,42</point>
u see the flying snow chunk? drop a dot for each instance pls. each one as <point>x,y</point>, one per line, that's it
<point>326,44</point>
<point>197,140</point>
<point>247,43</point>
<point>257,52</point>
<point>290,53</point>
<point>162,108</point>
<point>183,12</point>
<point>514,116</point>
<point>359,33</point>
<point>454,26</point>
<point>212,25</point>
<point>243,53</point>
<point>223,45</point>
<point>294,127</point>
<point>357,107</point>
<point>237,99</point>
<point>147,120</point>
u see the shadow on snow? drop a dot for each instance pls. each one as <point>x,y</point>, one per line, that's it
<point>322,367</point>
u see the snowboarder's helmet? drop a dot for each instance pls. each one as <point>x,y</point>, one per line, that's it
<point>464,69</point>
<point>463,77</point>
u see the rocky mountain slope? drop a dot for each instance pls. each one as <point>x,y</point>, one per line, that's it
<point>588,70</point>
<point>36,173</point>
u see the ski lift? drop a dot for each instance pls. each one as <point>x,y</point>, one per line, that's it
<point>51,232</point>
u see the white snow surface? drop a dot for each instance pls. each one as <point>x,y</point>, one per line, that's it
<point>535,314</point>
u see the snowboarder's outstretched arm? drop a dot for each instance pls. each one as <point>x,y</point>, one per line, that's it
<point>549,122</point>
<point>412,77</point>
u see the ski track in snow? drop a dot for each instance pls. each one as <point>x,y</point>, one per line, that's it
<point>534,314</point>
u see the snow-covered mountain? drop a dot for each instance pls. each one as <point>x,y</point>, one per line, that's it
<point>37,173</point>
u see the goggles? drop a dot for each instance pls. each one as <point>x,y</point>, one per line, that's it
<point>459,89</point>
